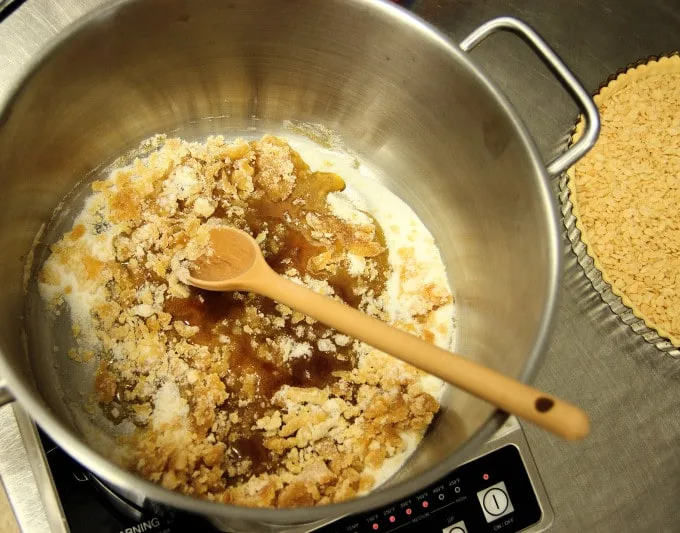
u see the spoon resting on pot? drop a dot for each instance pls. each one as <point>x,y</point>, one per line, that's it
<point>236,263</point>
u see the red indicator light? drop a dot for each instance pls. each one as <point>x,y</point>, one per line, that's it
<point>392,519</point>
<point>375,526</point>
<point>486,477</point>
<point>408,511</point>
<point>425,504</point>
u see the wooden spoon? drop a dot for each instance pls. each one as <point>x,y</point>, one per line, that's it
<point>236,264</point>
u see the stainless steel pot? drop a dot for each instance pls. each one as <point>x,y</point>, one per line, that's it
<point>403,98</point>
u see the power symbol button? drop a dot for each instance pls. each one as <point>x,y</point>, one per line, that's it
<point>495,501</point>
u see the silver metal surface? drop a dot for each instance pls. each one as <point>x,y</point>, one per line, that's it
<point>25,476</point>
<point>41,473</point>
<point>437,131</point>
<point>5,396</point>
<point>626,476</point>
<point>591,117</point>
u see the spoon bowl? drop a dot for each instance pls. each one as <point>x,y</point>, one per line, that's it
<point>232,255</point>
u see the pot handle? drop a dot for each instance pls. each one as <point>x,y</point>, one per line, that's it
<point>564,75</point>
<point>5,396</point>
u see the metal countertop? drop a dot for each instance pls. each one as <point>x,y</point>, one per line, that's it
<point>626,475</point>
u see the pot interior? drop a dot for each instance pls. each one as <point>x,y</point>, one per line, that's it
<point>411,107</point>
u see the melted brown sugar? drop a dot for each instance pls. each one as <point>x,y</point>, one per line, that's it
<point>244,323</point>
<point>232,397</point>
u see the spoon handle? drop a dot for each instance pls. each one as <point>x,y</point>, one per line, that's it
<point>510,395</point>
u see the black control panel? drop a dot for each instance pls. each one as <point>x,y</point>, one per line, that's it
<point>490,494</point>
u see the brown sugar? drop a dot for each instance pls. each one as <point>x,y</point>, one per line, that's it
<point>233,397</point>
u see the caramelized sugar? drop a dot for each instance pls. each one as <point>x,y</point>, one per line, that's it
<point>251,448</point>
<point>247,323</point>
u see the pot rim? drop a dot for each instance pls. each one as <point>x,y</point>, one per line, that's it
<point>119,477</point>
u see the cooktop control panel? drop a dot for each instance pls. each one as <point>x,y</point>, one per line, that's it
<point>492,493</point>
<point>499,490</point>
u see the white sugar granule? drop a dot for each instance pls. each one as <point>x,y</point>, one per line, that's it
<point>325,345</point>
<point>356,264</point>
<point>169,407</point>
<point>291,349</point>
<point>343,208</point>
